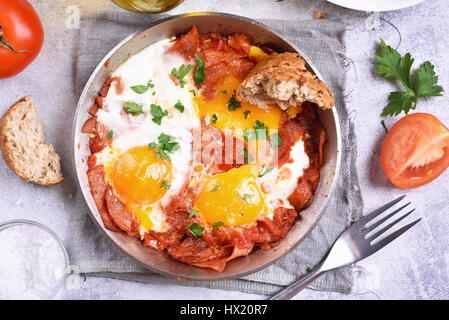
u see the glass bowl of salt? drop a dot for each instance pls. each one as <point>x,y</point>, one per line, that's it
<point>33,261</point>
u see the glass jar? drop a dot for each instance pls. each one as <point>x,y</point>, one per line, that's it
<point>147,5</point>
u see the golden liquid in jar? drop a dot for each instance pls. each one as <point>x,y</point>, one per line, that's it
<point>147,5</point>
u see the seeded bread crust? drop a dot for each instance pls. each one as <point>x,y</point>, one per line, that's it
<point>23,147</point>
<point>283,79</point>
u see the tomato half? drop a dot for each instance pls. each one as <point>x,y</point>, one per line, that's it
<point>415,150</point>
<point>22,30</point>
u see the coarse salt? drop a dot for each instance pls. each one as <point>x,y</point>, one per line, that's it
<point>32,263</point>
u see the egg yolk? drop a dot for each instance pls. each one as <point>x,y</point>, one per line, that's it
<point>232,197</point>
<point>138,174</point>
<point>142,214</point>
<point>243,117</point>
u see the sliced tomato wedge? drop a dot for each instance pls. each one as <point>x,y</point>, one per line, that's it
<point>415,151</point>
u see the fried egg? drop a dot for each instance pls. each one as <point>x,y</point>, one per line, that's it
<point>141,180</point>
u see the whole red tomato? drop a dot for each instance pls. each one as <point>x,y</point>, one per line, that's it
<point>21,36</point>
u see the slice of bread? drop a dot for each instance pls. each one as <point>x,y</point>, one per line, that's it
<point>22,142</point>
<point>283,79</point>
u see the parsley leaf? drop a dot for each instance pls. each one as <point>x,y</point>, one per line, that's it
<point>224,91</point>
<point>165,146</point>
<point>261,130</point>
<point>246,113</point>
<point>275,139</point>
<point>199,73</point>
<point>215,188</point>
<point>233,103</point>
<point>158,114</point>
<point>179,106</point>
<point>182,71</point>
<point>246,197</point>
<point>393,66</point>
<point>264,171</point>
<point>110,135</point>
<point>193,212</point>
<point>427,81</point>
<point>142,88</point>
<point>195,229</point>
<point>214,118</point>
<point>249,135</point>
<point>165,185</point>
<point>150,84</point>
<point>399,101</point>
<point>248,158</point>
<point>133,108</point>
<point>217,224</point>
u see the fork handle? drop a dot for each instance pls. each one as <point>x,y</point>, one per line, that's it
<point>298,285</point>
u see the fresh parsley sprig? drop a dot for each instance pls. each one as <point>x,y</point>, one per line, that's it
<point>394,66</point>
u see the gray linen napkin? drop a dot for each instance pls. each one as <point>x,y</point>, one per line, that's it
<point>322,42</point>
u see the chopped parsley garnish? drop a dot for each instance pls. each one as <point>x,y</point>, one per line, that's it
<point>193,91</point>
<point>165,146</point>
<point>195,229</point>
<point>182,71</point>
<point>246,113</point>
<point>224,91</point>
<point>142,88</point>
<point>246,197</point>
<point>214,118</point>
<point>248,158</point>
<point>217,224</point>
<point>193,212</point>
<point>216,188</point>
<point>275,139</point>
<point>179,106</point>
<point>133,108</point>
<point>308,269</point>
<point>199,73</point>
<point>154,93</point>
<point>249,135</point>
<point>233,103</point>
<point>110,134</point>
<point>264,171</point>
<point>165,185</point>
<point>158,114</point>
<point>393,65</point>
<point>261,130</point>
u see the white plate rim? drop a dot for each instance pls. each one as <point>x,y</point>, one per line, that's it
<point>376,5</point>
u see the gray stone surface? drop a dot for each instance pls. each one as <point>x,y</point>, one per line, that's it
<point>416,266</point>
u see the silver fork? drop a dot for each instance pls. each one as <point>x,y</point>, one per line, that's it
<point>353,245</point>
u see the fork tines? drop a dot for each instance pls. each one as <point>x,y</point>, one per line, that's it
<point>365,229</point>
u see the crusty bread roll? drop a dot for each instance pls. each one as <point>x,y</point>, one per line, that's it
<point>22,142</point>
<point>283,79</point>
